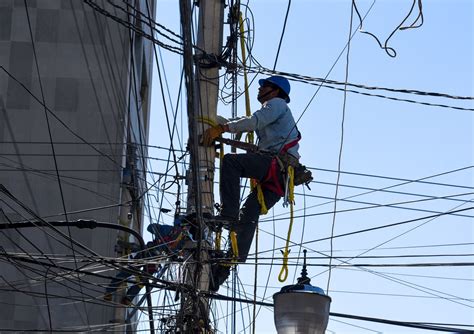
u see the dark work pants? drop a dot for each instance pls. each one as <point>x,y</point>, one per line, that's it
<point>235,166</point>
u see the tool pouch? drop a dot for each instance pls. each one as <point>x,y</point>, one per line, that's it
<point>302,175</point>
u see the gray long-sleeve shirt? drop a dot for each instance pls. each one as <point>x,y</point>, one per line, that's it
<point>274,125</point>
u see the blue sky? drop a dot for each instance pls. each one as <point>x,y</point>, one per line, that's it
<point>381,137</point>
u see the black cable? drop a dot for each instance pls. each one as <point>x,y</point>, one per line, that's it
<point>323,83</point>
<point>132,27</point>
<point>389,50</point>
<point>16,226</point>
<point>282,34</point>
<point>56,278</point>
<point>48,175</point>
<point>385,265</point>
<point>283,217</point>
<point>113,72</point>
<point>386,295</point>
<point>371,256</point>
<point>43,222</point>
<point>341,145</point>
<point>448,198</point>
<point>54,115</point>
<point>416,246</point>
<point>138,108</point>
<point>148,19</point>
<point>141,134</point>
<point>411,285</point>
<point>82,143</point>
<point>171,130</point>
<point>93,86</point>
<point>51,140</point>
<point>355,317</point>
<point>396,205</point>
<point>407,181</point>
<point>421,180</point>
<point>386,225</point>
<point>3,155</point>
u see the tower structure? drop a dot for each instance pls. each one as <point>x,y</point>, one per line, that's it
<point>75,83</point>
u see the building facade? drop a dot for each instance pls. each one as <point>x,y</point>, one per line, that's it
<point>74,113</point>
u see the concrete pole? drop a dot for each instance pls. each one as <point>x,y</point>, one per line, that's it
<point>209,42</point>
<point>202,84</point>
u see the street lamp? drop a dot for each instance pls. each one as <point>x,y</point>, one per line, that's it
<point>301,308</point>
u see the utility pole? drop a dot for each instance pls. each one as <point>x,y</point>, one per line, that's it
<point>202,85</point>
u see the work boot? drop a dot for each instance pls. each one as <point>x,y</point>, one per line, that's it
<point>219,274</point>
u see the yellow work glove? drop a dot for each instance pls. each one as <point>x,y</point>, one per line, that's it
<point>211,134</point>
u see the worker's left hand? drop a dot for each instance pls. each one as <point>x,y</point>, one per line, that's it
<point>211,134</point>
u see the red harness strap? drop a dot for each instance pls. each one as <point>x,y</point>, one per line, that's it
<point>272,180</point>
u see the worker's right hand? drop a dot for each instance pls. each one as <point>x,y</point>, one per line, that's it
<point>211,134</point>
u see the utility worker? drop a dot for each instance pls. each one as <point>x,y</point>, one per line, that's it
<point>277,133</point>
<point>167,240</point>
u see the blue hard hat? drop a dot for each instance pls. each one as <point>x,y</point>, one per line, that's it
<point>280,82</point>
<point>159,229</point>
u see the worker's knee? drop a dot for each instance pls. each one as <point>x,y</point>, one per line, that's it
<point>228,158</point>
<point>230,162</point>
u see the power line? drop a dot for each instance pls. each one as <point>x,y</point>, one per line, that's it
<point>55,116</point>
<point>132,27</point>
<point>327,83</point>
<point>374,256</point>
<point>419,325</point>
<point>88,143</point>
<point>386,225</point>
<point>385,265</point>
<point>341,143</point>
<point>282,34</point>
<point>407,181</point>
<point>54,156</point>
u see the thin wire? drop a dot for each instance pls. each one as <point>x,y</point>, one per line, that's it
<point>389,50</point>
<point>325,81</point>
<point>54,115</point>
<point>408,181</point>
<point>132,27</point>
<point>282,34</point>
<point>171,130</point>
<point>381,227</point>
<point>341,145</point>
<point>52,145</point>
<point>94,89</point>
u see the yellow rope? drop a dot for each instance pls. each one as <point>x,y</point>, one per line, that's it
<point>284,269</point>
<point>261,200</point>
<point>235,248</point>
<point>249,137</point>
<point>246,82</point>
<point>207,121</point>
<point>218,240</point>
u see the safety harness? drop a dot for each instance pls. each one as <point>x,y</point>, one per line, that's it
<point>277,166</point>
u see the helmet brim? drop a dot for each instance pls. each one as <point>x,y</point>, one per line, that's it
<point>262,82</point>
